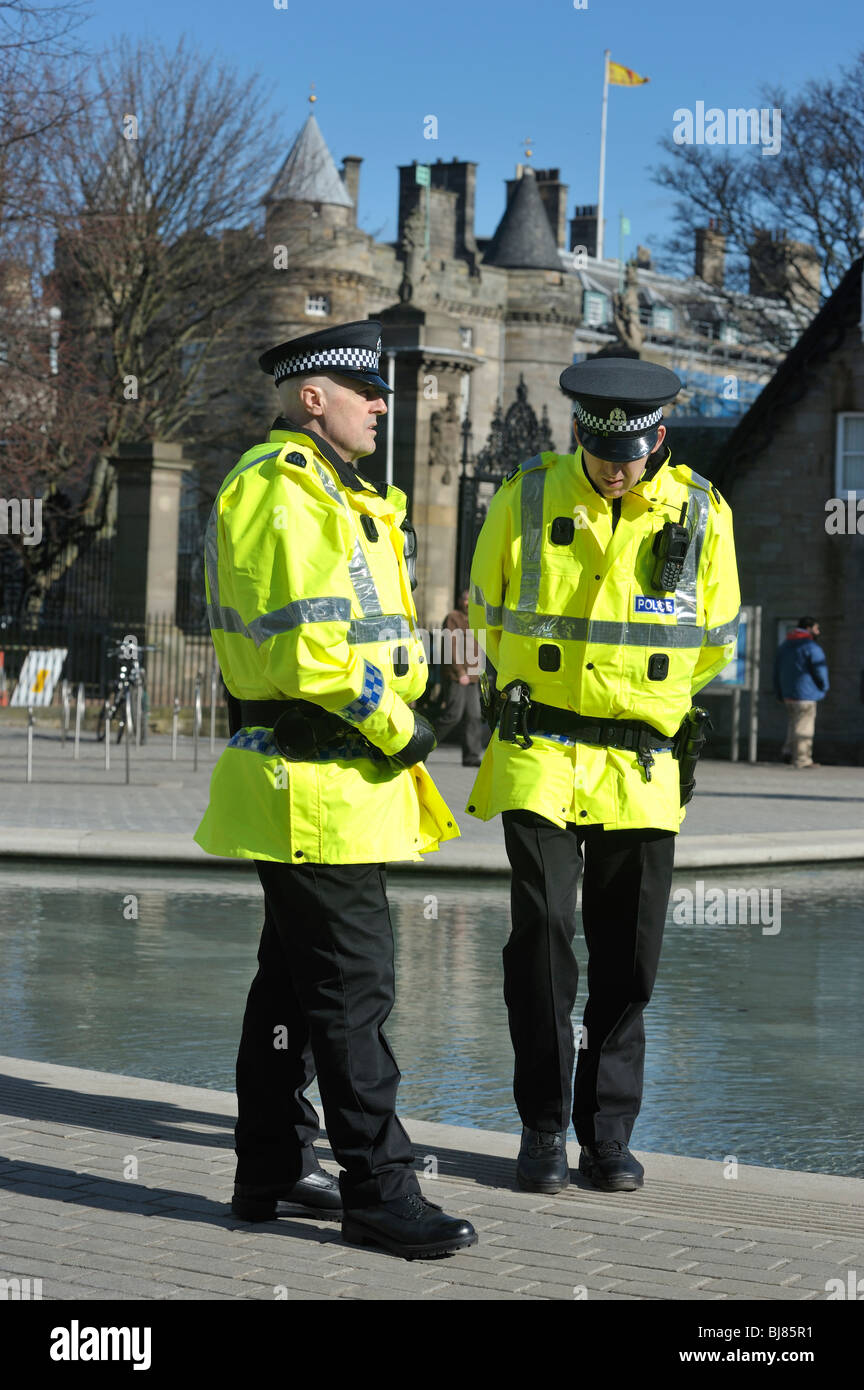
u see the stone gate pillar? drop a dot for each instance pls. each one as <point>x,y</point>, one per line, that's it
<point>149,482</point>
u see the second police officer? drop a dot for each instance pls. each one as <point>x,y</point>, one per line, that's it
<point>604,590</point>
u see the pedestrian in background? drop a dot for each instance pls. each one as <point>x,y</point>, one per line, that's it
<point>460,674</point>
<point>800,681</point>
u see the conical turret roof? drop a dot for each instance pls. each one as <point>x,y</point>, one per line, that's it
<point>309,174</point>
<point>524,239</point>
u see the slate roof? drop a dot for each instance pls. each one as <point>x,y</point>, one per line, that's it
<point>841,312</point>
<point>309,174</point>
<point>524,239</point>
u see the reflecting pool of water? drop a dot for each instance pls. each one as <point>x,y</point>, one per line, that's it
<point>754,1034</point>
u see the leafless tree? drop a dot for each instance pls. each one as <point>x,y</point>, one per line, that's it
<point>39,61</point>
<point>150,196</point>
<point>812,190</point>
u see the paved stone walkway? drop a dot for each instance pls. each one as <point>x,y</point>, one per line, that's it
<point>740,814</point>
<point>115,1187</point>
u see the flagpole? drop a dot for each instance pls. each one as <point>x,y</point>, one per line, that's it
<point>601,186</point>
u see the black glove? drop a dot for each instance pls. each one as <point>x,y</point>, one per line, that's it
<point>419,745</point>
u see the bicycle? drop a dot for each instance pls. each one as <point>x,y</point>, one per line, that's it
<point>130,678</point>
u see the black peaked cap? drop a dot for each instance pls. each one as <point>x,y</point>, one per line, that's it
<point>348,349</point>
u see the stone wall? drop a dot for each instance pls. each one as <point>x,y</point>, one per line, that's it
<point>789,563</point>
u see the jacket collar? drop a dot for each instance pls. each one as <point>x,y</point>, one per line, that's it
<point>347,473</point>
<point>648,478</point>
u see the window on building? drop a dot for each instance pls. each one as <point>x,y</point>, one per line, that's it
<point>663,319</point>
<point>595,308</point>
<point>466,337</point>
<point>849,471</point>
<point>729,333</point>
<point>318,305</point>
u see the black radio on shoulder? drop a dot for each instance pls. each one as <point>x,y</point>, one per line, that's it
<point>670,549</point>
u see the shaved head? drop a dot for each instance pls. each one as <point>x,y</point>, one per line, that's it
<point>343,410</point>
<point>290,398</point>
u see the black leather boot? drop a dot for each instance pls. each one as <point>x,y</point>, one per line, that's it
<point>542,1163</point>
<point>410,1227</point>
<point>318,1192</point>
<point>609,1165</point>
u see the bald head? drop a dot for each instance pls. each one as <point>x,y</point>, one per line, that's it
<point>344,411</point>
<point>296,399</point>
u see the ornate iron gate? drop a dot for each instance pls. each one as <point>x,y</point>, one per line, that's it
<point>514,436</point>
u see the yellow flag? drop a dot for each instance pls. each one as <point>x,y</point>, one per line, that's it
<point>619,76</point>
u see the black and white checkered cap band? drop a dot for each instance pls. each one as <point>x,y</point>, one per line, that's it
<point>616,422</point>
<point>357,358</point>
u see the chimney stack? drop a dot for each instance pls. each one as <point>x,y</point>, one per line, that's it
<point>583,228</point>
<point>785,269</point>
<point>710,262</point>
<point>351,178</point>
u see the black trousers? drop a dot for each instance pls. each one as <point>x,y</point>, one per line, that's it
<point>625,893</point>
<point>463,707</point>
<point>324,989</point>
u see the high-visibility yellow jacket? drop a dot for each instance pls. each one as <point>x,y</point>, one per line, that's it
<point>578,620</point>
<point>309,598</point>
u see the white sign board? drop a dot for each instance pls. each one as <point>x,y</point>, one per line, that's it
<point>39,675</point>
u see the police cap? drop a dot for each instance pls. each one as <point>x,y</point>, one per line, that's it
<point>348,349</point>
<point>617,404</point>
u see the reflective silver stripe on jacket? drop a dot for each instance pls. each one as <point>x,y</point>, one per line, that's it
<point>533,485</point>
<point>359,571</point>
<point>386,627</point>
<point>493,610</point>
<point>601,632</point>
<point>686,603</point>
<point>726,632</point>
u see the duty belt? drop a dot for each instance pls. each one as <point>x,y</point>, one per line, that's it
<point>520,716</point>
<point>302,730</point>
<point>633,734</point>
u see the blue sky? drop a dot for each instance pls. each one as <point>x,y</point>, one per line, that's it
<point>494,73</point>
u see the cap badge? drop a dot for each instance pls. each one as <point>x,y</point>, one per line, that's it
<point>617,416</point>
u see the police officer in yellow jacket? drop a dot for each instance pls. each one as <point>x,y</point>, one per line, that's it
<point>309,576</point>
<point>604,589</point>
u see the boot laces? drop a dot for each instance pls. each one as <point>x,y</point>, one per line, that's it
<point>542,1139</point>
<point>416,1206</point>
<point>607,1148</point>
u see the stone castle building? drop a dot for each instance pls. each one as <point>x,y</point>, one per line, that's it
<point>466,320</point>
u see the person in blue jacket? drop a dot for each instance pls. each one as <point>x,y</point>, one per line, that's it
<point>800,681</point>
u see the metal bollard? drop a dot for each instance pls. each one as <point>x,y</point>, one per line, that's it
<point>107,741</point>
<point>29,743</point>
<point>175,720</point>
<point>79,715</point>
<point>64,695</point>
<point>138,702</point>
<point>196,722</point>
<point>128,739</point>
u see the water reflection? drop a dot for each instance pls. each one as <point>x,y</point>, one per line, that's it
<point>754,1036</point>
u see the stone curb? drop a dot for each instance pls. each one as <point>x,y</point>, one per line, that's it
<point>691,852</point>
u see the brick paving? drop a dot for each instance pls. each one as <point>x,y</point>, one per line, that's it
<point>118,1187</point>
